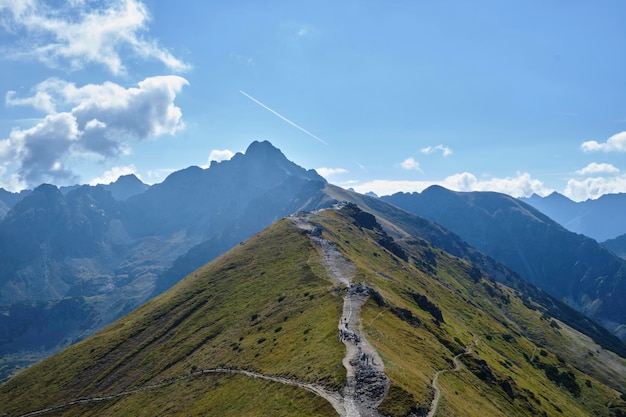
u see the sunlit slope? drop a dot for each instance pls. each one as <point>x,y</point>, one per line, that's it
<point>260,307</point>
<point>270,307</point>
<point>520,360</point>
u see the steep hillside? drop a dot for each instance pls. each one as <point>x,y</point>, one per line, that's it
<point>9,199</point>
<point>600,219</point>
<point>106,247</point>
<point>572,267</point>
<point>617,245</point>
<point>326,314</point>
<point>126,186</point>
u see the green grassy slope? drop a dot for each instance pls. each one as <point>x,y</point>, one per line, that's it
<point>259,307</point>
<point>268,306</point>
<point>517,345</point>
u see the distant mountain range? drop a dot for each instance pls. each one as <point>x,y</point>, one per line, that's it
<point>336,312</point>
<point>106,249</point>
<point>617,245</point>
<point>75,259</point>
<point>602,219</point>
<point>570,266</point>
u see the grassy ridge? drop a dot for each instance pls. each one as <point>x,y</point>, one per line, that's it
<point>504,375</point>
<point>259,307</point>
<point>211,395</point>
<point>268,306</point>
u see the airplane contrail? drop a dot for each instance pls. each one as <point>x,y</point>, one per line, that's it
<point>282,117</point>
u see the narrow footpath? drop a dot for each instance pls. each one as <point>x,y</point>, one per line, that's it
<point>366,384</point>
<point>457,365</point>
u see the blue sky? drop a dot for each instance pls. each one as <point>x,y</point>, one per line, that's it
<point>516,96</point>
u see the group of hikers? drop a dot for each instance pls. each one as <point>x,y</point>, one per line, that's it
<point>346,334</point>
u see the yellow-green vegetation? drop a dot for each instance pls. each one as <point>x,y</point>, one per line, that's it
<point>509,370</point>
<point>259,307</point>
<point>210,395</point>
<point>268,306</point>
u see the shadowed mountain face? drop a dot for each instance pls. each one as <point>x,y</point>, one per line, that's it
<point>262,330</point>
<point>572,267</point>
<point>105,247</point>
<point>76,261</point>
<point>617,246</point>
<point>601,219</point>
<point>126,186</point>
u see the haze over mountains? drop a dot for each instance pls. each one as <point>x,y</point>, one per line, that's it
<point>73,260</point>
<point>570,266</point>
<point>602,219</point>
<point>103,257</point>
<point>332,313</point>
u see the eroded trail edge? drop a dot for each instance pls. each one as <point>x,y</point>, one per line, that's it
<point>366,384</point>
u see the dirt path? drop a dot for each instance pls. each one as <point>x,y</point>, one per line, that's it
<point>457,365</point>
<point>334,398</point>
<point>366,384</point>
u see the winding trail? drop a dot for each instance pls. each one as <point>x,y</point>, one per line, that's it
<point>457,365</point>
<point>366,382</point>
<point>332,397</point>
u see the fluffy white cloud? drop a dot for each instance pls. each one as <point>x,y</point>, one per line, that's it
<point>76,33</point>
<point>329,172</point>
<point>388,187</point>
<point>595,168</point>
<point>616,143</point>
<point>594,187</point>
<point>94,119</point>
<point>410,164</point>
<point>220,155</point>
<point>40,149</point>
<point>113,174</point>
<point>521,185</point>
<point>445,151</point>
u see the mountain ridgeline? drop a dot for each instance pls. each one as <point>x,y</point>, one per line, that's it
<point>106,248</point>
<point>572,267</point>
<point>330,313</point>
<point>75,259</point>
<point>601,219</point>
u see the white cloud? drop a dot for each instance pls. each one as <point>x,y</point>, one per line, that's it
<point>445,151</point>
<point>40,149</point>
<point>410,164</point>
<point>595,168</point>
<point>113,174</point>
<point>388,187</point>
<point>521,185</point>
<point>96,120</point>
<point>329,172</point>
<point>594,187</point>
<point>616,143</point>
<point>77,33</point>
<point>220,155</point>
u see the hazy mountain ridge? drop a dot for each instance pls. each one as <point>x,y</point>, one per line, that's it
<point>126,251</point>
<point>269,307</point>
<point>570,266</point>
<point>600,219</point>
<point>617,245</point>
<point>87,244</point>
